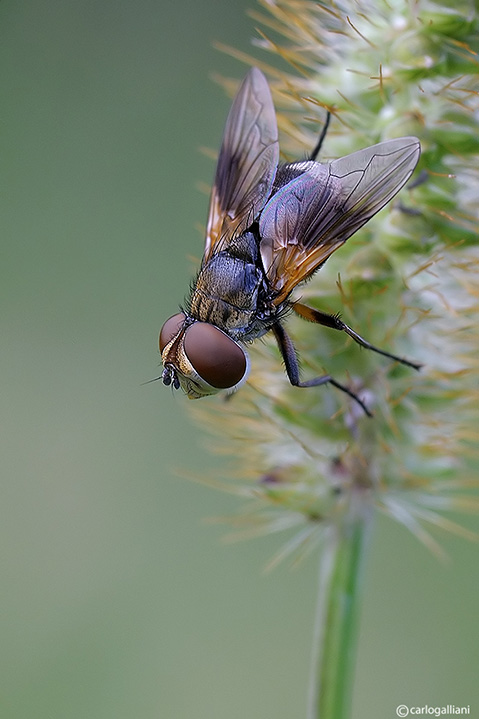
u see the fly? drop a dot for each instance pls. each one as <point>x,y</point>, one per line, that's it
<point>270,227</point>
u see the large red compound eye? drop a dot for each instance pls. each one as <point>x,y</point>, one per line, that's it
<point>170,329</point>
<point>215,357</point>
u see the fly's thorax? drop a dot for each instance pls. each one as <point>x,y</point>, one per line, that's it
<point>226,292</point>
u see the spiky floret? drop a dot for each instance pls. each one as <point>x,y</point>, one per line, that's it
<point>408,281</point>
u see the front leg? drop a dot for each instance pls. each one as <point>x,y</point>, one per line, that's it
<point>288,353</point>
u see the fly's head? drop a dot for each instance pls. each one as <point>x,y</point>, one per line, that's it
<point>200,358</point>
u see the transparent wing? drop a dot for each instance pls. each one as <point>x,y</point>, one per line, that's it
<point>247,162</point>
<point>315,213</point>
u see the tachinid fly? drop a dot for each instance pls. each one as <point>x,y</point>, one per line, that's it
<point>271,227</point>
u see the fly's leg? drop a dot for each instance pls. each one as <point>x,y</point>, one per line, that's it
<point>288,353</point>
<point>333,321</point>
<point>320,141</point>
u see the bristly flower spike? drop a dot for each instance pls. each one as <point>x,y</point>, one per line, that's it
<point>311,463</point>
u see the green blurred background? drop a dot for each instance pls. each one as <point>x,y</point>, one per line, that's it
<point>116,600</point>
